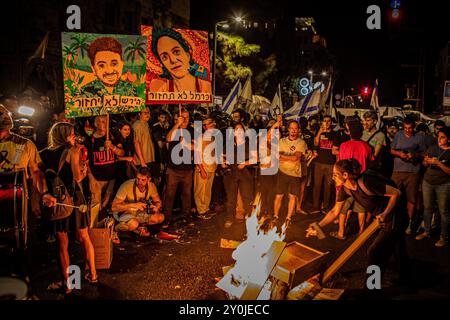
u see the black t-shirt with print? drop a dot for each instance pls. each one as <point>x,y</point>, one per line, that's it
<point>102,162</point>
<point>434,175</point>
<point>325,147</point>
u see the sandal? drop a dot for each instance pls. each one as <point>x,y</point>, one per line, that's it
<point>88,277</point>
<point>287,222</point>
<point>59,286</point>
<point>142,231</point>
<point>335,234</point>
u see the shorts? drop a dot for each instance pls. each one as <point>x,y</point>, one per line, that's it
<point>351,204</point>
<point>288,184</point>
<point>77,220</point>
<point>408,182</point>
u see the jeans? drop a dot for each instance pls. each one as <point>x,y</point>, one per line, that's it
<point>323,174</point>
<point>242,181</point>
<point>441,194</point>
<point>177,178</point>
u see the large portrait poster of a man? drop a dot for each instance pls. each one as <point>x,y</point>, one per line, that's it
<point>178,66</point>
<point>103,73</point>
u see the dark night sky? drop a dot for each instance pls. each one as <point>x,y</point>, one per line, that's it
<point>361,54</point>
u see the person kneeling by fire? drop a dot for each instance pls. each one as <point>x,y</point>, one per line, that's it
<point>381,197</point>
<point>137,204</point>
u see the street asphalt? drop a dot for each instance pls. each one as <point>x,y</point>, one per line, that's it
<point>187,269</point>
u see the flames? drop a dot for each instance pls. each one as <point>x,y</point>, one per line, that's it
<point>251,258</point>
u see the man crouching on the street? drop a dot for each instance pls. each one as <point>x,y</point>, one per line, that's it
<point>137,205</point>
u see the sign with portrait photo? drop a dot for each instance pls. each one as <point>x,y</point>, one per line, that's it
<point>103,73</point>
<point>178,66</point>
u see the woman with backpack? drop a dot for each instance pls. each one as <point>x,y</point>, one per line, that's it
<point>379,196</point>
<point>65,168</point>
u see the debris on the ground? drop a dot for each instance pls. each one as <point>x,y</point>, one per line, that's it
<point>229,244</point>
<point>177,287</point>
<point>329,294</point>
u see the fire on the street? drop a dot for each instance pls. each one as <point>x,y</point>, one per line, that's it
<point>252,260</point>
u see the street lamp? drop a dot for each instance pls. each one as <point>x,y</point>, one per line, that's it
<point>311,73</point>
<point>224,24</point>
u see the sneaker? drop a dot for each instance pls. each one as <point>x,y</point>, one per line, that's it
<point>207,215</point>
<point>423,235</point>
<point>441,243</point>
<point>166,236</point>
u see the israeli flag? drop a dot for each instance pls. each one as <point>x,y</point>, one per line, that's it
<point>232,99</point>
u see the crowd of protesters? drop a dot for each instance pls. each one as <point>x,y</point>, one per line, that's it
<point>123,164</point>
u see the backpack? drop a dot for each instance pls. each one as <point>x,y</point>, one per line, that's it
<point>59,190</point>
<point>377,175</point>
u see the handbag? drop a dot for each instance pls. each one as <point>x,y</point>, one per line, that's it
<point>59,190</point>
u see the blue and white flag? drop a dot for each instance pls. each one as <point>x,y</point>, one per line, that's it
<point>232,99</point>
<point>375,104</point>
<point>276,108</point>
<point>306,107</point>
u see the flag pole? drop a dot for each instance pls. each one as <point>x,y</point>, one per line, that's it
<point>107,124</point>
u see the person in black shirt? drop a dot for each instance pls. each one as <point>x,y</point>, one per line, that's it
<point>62,152</point>
<point>125,164</point>
<point>179,173</point>
<point>102,160</point>
<point>380,197</point>
<point>436,186</point>
<point>159,132</point>
<point>238,176</point>
<point>323,167</point>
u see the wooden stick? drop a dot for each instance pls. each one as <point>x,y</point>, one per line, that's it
<point>107,125</point>
<point>348,253</point>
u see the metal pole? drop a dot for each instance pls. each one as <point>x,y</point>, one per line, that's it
<point>214,60</point>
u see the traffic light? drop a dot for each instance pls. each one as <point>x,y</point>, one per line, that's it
<point>365,91</point>
<point>395,13</point>
<point>395,6</point>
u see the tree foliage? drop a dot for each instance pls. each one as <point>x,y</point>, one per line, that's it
<point>237,59</point>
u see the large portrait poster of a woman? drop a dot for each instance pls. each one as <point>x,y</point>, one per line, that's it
<point>103,73</point>
<point>178,66</point>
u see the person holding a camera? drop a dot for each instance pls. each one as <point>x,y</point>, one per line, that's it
<point>137,205</point>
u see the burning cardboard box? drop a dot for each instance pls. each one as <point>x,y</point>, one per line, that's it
<point>266,267</point>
